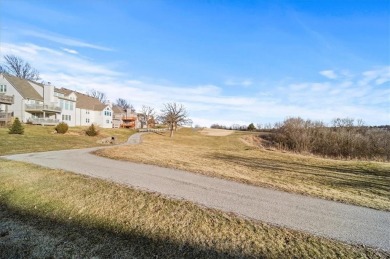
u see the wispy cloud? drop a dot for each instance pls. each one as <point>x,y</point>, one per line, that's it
<point>378,76</point>
<point>63,40</point>
<point>71,51</point>
<point>329,74</point>
<point>361,95</point>
<point>239,82</point>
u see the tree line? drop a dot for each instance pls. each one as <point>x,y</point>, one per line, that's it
<point>344,138</point>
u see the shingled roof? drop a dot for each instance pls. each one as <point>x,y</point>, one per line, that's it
<point>24,88</point>
<point>117,109</point>
<point>85,101</point>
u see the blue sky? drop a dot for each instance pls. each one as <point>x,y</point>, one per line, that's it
<point>226,61</point>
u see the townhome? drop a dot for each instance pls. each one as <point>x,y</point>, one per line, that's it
<point>5,101</point>
<point>33,102</point>
<point>88,110</point>
<point>125,119</point>
<point>43,104</point>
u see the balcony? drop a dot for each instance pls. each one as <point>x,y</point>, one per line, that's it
<point>44,121</point>
<point>42,108</point>
<point>5,117</point>
<point>6,99</point>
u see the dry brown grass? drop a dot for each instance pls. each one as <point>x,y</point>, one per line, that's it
<point>216,132</point>
<point>50,213</point>
<point>356,182</point>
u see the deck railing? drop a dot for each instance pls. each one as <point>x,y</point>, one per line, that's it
<point>43,121</point>
<point>6,99</point>
<point>152,130</point>
<point>43,107</point>
<point>6,116</point>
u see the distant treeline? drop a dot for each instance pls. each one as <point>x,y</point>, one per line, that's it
<point>343,138</point>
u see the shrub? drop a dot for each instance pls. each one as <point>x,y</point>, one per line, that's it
<point>251,127</point>
<point>62,128</point>
<point>16,127</point>
<point>92,131</point>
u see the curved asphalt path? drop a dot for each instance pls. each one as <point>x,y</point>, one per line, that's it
<point>348,223</point>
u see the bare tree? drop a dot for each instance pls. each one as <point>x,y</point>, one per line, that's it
<point>97,94</point>
<point>174,115</point>
<point>148,113</point>
<point>125,105</point>
<point>18,67</point>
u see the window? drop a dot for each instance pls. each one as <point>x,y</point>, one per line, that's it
<point>3,88</point>
<point>87,112</point>
<point>71,106</point>
<point>87,120</point>
<point>107,121</point>
<point>66,117</point>
<point>66,105</point>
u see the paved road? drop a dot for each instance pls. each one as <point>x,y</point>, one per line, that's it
<point>343,222</point>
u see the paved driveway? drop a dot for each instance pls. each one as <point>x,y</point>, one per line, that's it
<point>343,222</point>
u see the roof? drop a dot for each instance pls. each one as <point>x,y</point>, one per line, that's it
<point>117,109</point>
<point>24,88</point>
<point>85,101</point>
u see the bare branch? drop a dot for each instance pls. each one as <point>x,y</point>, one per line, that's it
<point>18,67</point>
<point>174,115</point>
<point>97,94</point>
<point>125,105</point>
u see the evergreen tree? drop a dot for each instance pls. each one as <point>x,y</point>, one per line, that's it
<point>16,127</point>
<point>251,127</point>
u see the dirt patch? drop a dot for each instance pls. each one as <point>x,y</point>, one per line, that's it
<point>216,132</point>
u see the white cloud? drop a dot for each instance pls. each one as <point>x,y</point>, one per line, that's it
<point>329,74</point>
<point>207,104</point>
<point>239,82</point>
<point>378,76</point>
<point>71,51</point>
<point>63,40</point>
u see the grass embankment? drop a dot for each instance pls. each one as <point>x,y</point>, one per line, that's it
<point>38,138</point>
<point>356,182</point>
<point>51,213</point>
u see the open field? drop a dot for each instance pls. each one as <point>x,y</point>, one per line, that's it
<point>51,213</point>
<point>38,138</point>
<point>216,132</point>
<point>356,182</point>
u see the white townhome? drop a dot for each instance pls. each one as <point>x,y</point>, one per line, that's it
<point>88,109</point>
<point>43,104</point>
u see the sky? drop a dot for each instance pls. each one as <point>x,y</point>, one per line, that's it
<point>227,62</point>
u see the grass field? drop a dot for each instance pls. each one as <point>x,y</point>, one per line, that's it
<point>50,213</point>
<point>233,157</point>
<point>37,138</point>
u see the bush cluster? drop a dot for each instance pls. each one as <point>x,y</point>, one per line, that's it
<point>16,127</point>
<point>62,128</point>
<point>92,131</point>
<point>342,139</point>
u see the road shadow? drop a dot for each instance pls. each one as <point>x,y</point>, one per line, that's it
<point>31,235</point>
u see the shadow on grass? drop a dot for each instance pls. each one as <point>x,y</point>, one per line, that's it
<point>59,238</point>
<point>369,179</point>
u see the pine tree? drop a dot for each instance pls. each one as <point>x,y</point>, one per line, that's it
<point>251,127</point>
<point>16,127</point>
<point>92,131</point>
